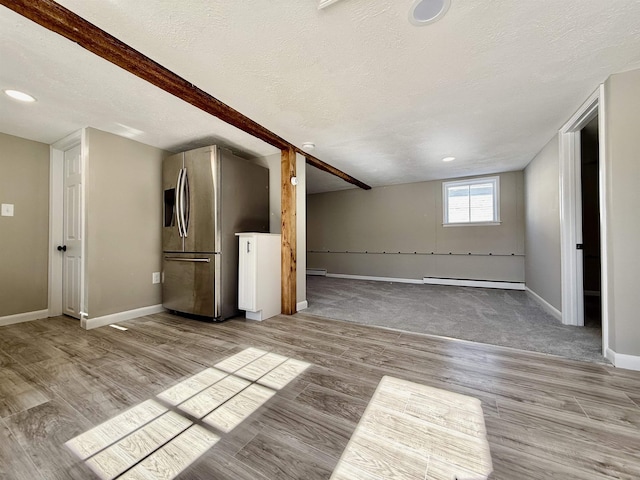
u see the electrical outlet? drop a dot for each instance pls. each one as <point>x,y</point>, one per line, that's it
<point>155,277</point>
<point>7,210</point>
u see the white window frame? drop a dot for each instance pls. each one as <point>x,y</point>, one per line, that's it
<point>471,181</point>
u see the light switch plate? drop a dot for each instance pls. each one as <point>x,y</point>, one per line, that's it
<point>155,277</point>
<point>7,210</point>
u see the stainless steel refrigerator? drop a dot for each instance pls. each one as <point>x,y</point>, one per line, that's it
<point>209,195</point>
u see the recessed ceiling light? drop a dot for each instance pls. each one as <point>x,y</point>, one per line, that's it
<point>424,12</point>
<point>17,95</point>
<point>308,146</point>
<point>448,159</point>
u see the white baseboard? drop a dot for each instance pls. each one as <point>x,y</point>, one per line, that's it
<point>90,323</point>
<point>473,283</point>
<point>375,279</point>
<point>621,360</point>
<point>302,305</point>
<point>321,272</point>
<point>546,306</point>
<point>23,317</point>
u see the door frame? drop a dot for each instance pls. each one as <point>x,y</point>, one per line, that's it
<point>56,219</point>
<point>571,213</point>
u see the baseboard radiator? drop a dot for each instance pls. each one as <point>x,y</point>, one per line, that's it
<point>318,272</point>
<point>455,282</point>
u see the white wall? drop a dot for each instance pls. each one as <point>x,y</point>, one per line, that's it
<point>542,224</point>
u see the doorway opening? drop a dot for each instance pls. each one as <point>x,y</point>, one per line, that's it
<point>66,227</point>
<point>584,271</point>
<point>590,195</point>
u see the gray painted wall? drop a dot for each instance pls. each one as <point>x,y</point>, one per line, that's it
<point>124,214</point>
<point>622,108</point>
<point>542,221</point>
<point>24,238</point>
<point>408,218</point>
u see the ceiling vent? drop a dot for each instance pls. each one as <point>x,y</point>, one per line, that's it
<point>424,12</point>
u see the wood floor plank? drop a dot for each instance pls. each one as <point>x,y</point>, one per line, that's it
<point>218,465</point>
<point>627,417</point>
<point>145,376</point>
<point>14,462</point>
<point>96,397</point>
<point>332,402</point>
<point>17,392</point>
<point>581,455</point>
<point>351,385</point>
<point>42,431</point>
<point>285,459</point>
<point>512,464</point>
<point>325,433</point>
<point>571,426</point>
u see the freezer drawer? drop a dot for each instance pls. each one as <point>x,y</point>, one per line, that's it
<point>189,284</point>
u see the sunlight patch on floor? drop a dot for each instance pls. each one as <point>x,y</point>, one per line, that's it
<point>412,431</point>
<point>151,441</point>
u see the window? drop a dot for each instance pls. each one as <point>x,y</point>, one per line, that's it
<point>471,202</point>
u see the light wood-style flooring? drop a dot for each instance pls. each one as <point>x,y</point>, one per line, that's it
<point>546,417</point>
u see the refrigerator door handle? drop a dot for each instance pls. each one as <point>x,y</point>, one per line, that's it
<point>179,202</point>
<point>186,203</point>
<point>191,260</point>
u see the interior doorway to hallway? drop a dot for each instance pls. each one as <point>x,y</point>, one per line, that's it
<point>573,280</point>
<point>590,195</point>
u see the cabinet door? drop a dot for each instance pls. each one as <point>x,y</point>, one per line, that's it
<point>247,281</point>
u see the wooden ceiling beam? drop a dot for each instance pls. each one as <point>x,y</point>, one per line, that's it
<point>325,167</point>
<point>63,21</point>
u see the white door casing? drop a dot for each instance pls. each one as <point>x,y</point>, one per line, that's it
<point>571,211</point>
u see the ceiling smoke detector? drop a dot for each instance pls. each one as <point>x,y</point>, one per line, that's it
<point>308,146</point>
<point>424,12</point>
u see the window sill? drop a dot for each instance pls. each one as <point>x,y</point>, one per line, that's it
<point>471,224</point>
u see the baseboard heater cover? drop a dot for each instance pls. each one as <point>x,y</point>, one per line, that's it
<point>474,283</point>
<point>434,281</point>
<point>375,279</point>
<point>320,272</point>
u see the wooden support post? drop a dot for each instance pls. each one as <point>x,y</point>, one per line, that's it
<point>288,255</point>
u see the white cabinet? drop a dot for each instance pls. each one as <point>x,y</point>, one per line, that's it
<point>259,275</point>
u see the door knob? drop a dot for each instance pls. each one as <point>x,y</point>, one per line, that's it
<point>62,248</point>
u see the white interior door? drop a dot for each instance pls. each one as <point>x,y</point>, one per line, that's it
<point>71,247</point>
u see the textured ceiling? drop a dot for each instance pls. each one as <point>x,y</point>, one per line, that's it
<point>76,89</point>
<point>383,100</point>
